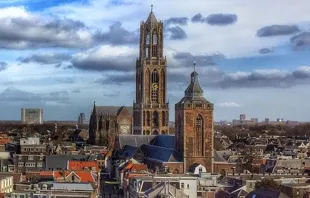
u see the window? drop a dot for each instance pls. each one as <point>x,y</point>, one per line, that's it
<point>148,120</point>
<point>182,185</point>
<point>200,169</point>
<point>154,39</point>
<point>187,186</point>
<point>41,157</point>
<point>40,164</point>
<point>147,39</point>
<point>20,164</point>
<point>147,53</point>
<point>155,119</point>
<point>30,157</point>
<point>154,51</point>
<point>199,136</point>
<point>163,118</point>
<point>20,157</point>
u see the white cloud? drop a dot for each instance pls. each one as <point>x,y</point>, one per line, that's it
<point>229,104</point>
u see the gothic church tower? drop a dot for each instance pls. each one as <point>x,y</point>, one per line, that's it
<point>194,127</point>
<point>150,110</point>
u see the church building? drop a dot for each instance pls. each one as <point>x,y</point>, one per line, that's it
<point>192,145</point>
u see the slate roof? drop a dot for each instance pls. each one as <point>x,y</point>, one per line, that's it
<point>218,156</point>
<point>167,141</point>
<point>262,193</point>
<point>111,110</point>
<point>151,18</point>
<point>128,151</point>
<point>134,140</point>
<point>161,153</point>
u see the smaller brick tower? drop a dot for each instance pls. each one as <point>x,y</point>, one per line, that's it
<point>194,126</point>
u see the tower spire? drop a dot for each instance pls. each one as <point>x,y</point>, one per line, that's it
<point>194,66</point>
<point>152,7</point>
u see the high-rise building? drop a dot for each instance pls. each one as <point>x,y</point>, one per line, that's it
<point>194,127</point>
<point>32,115</point>
<point>266,120</point>
<point>242,117</point>
<point>82,118</point>
<point>150,110</point>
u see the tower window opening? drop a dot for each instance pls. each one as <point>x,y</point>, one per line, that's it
<point>147,39</point>
<point>154,39</point>
<point>147,53</point>
<point>155,119</point>
<point>199,136</point>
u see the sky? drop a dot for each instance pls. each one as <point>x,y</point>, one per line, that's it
<point>253,57</point>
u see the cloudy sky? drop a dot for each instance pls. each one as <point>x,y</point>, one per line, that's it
<point>252,57</point>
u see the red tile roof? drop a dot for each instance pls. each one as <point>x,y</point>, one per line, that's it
<point>78,165</point>
<point>85,176</point>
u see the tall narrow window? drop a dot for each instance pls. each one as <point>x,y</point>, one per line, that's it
<point>163,118</point>
<point>155,119</point>
<point>147,39</point>
<point>154,39</point>
<point>147,53</point>
<point>154,46</point>
<point>199,136</point>
<point>144,118</point>
<point>148,120</point>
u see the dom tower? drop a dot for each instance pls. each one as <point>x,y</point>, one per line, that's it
<point>151,111</point>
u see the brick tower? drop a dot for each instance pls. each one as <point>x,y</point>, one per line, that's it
<point>194,126</point>
<point>150,110</point>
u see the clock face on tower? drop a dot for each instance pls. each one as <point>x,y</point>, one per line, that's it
<point>155,86</point>
<point>124,128</point>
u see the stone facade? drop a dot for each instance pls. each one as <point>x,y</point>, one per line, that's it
<point>151,111</point>
<point>106,122</point>
<point>194,127</point>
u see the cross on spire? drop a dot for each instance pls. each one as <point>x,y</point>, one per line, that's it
<point>194,66</point>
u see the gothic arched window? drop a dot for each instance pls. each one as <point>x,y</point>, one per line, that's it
<point>148,118</point>
<point>163,118</point>
<point>155,76</point>
<point>144,118</point>
<point>155,119</point>
<point>147,52</point>
<point>147,39</point>
<point>199,135</point>
<point>154,46</point>
<point>154,39</point>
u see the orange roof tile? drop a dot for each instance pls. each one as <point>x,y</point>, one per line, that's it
<point>4,140</point>
<point>131,175</point>
<point>85,176</point>
<point>78,165</point>
<point>139,167</point>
